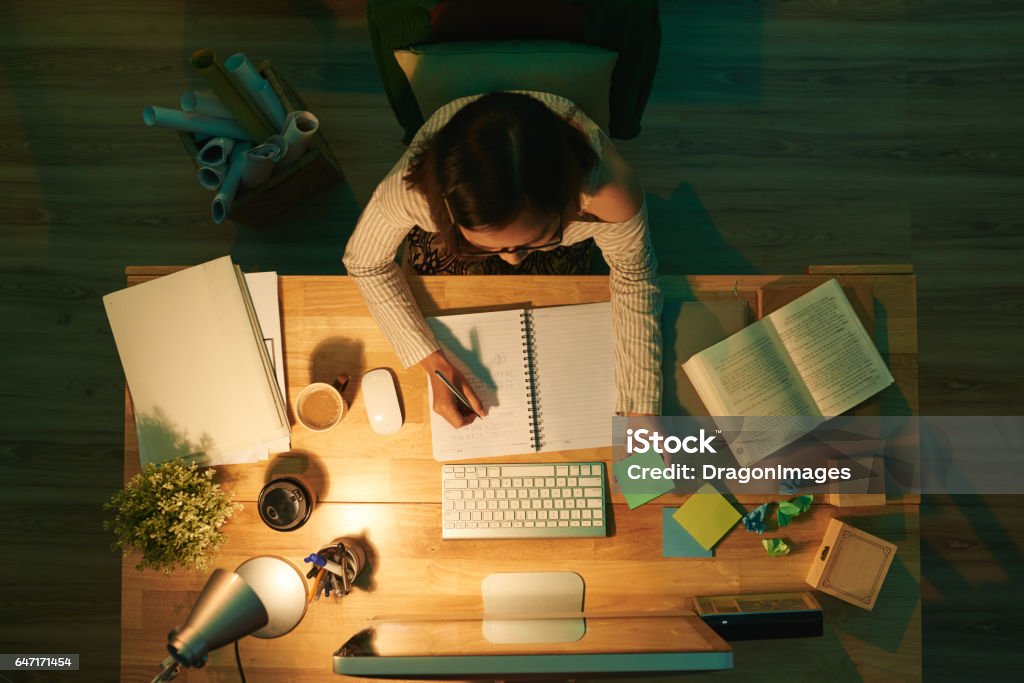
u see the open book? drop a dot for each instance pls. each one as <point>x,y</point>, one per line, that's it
<point>545,375</point>
<point>811,359</point>
<point>202,379</point>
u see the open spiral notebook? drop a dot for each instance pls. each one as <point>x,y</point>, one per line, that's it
<point>545,374</point>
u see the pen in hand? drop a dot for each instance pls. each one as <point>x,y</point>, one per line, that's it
<point>458,394</point>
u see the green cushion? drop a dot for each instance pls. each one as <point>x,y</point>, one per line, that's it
<point>442,72</point>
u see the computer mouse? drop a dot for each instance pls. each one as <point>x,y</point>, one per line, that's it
<point>381,400</point>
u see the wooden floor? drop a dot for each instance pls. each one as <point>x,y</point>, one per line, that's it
<point>778,134</point>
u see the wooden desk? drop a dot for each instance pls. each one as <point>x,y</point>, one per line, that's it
<point>386,488</point>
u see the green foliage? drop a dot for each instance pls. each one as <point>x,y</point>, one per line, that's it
<point>172,513</point>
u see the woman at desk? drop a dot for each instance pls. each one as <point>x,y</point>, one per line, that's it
<point>510,183</point>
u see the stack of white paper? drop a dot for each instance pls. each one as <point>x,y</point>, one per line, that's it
<point>203,363</point>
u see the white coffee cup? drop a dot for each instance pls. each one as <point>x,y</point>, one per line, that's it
<point>319,406</point>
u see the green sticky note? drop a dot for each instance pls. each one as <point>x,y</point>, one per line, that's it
<point>775,547</point>
<point>640,491</point>
<point>707,516</point>
<point>677,541</point>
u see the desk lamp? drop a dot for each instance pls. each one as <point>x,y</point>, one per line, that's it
<point>265,597</point>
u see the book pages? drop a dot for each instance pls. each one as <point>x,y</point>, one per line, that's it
<point>831,350</point>
<point>750,373</point>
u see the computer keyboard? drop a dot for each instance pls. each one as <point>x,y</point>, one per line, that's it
<point>504,500</point>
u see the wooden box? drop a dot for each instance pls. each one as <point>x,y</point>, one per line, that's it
<point>851,564</point>
<point>840,499</point>
<point>314,171</point>
<point>761,616</point>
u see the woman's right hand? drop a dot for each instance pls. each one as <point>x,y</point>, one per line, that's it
<point>446,404</point>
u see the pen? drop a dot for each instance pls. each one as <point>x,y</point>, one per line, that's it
<point>332,567</point>
<point>458,394</point>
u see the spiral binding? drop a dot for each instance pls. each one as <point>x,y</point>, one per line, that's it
<point>533,405</point>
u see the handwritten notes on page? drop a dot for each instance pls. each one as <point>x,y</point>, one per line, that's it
<point>554,362</point>
<point>489,350</point>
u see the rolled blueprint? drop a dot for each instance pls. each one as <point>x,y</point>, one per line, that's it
<point>272,103</point>
<point>193,123</point>
<point>299,129</point>
<point>259,161</point>
<point>242,106</point>
<point>210,177</point>
<point>216,152</point>
<point>204,103</point>
<point>245,74</point>
<point>224,198</point>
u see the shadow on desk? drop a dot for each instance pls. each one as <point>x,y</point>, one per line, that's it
<point>333,356</point>
<point>303,464</point>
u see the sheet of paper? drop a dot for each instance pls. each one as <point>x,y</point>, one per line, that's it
<point>677,541</point>
<point>488,349</point>
<point>707,516</point>
<point>263,290</point>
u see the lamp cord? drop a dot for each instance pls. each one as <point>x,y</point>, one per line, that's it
<point>238,661</point>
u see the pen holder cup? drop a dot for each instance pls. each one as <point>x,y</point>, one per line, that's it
<point>351,555</point>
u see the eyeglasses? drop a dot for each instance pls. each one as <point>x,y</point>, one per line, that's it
<point>465,248</point>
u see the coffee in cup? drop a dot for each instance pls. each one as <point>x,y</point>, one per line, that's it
<point>319,407</point>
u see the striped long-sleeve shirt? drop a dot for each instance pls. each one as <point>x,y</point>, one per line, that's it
<point>636,301</point>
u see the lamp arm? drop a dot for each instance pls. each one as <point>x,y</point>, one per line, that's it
<point>170,671</point>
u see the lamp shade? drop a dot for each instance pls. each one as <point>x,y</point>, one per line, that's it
<point>282,590</point>
<point>265,597</point>
<point>227,609</point>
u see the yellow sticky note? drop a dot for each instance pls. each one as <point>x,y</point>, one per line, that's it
<point>707,516</point>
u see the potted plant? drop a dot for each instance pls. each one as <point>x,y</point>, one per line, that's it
<point>172,513</point>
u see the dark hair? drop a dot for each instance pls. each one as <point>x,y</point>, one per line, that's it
<point>500,156</point>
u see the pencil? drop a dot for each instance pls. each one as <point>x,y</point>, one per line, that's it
<point>315,586</point>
